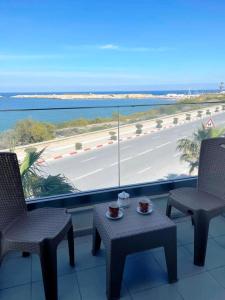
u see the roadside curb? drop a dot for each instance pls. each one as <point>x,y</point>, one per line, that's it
<point>73,153</point>
<point>99,146</point>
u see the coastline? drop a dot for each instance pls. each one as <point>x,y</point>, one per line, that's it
<point>91,96</point>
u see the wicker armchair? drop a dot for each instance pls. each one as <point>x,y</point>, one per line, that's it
<point>208,199</point>
<point>38,231</point>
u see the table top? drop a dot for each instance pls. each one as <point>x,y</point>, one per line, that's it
<point>132,222</point>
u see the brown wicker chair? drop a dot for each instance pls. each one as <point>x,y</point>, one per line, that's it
<point>38,231</point>
<point>208,199</point>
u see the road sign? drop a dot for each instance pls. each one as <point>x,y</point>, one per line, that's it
<point>209,123</point>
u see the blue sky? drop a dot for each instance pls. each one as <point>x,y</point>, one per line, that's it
<point>75,45</point>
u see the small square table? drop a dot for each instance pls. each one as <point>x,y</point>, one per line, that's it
<point>132,233</point>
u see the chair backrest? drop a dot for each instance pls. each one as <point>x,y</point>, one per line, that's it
<point>211,174</point>
<point>12,202</point>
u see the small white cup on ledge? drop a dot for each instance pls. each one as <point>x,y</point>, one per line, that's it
<point>123,199</point>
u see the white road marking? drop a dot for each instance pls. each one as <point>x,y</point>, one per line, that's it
<point>144,152</point>
<point>162,145</point>
<point>144,170</point>
<point>114,164</point>
<point>91,158</point>
<point>127,158</point>
<point>126,147</point>
<point>88,174</point>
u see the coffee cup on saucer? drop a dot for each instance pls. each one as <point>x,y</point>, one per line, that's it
<point>144,205</point>
<point>113,210</point>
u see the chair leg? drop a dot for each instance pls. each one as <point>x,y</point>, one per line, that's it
<point>168,209</point>
<point>201,229</point>
<point>96,242</point>
<point>71,246</point>
<point>48,258</point>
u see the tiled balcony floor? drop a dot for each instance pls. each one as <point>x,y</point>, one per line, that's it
<point>145,274</point>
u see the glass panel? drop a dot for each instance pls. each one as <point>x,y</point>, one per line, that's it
<point>76,149</point>
<point>164,141</point>
<point>63,151</point>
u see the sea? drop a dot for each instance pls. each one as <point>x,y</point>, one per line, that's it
<point>56,110</point>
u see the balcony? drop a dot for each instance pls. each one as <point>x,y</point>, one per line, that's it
<point>142,163</point>
<point>145,274</point>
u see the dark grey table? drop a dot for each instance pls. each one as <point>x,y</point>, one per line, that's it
<point>132,233</point>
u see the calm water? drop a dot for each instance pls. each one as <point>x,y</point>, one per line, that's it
<point>8,119</point>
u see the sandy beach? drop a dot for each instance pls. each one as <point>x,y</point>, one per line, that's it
<point>102,96</point>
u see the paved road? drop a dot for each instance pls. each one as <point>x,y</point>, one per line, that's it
<point>143,159</point>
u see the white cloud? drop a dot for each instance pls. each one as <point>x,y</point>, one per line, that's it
<point>110,47</point>
<point>134,49</point>
<point>68,54</point>
<point>119,48</point>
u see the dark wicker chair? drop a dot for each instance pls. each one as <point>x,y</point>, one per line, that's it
<point>208,199</point>
<point>38,231</point>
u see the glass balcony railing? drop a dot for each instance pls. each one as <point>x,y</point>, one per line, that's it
<point>81,149</point>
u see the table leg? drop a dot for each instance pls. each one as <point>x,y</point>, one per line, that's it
<point>114,274</point>
<point>171,257</point>
<point>96,241</point>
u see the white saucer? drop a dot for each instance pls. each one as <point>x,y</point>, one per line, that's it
<point>146,213</point>
<point>120,215</point>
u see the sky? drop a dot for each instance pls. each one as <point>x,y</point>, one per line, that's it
<point>90,45</point>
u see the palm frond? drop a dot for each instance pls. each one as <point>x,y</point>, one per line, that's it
<point>190,147</point>
<point>29,163</point>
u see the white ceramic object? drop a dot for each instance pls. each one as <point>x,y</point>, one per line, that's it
<point>120,215</point>
<point>145,213</point>
<point>123,199</point>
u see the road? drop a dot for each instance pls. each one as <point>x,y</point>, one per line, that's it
<point>143,159</point>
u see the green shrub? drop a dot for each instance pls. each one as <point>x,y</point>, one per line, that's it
<point>78,146</point>
<point>159,123</point>
<point>29,131</point>
<point>175,121</point>
<point>138,131</point>
<point>188,117</point>
<point>113,136</point>
<point>199,115</point>
<point>139,128</point>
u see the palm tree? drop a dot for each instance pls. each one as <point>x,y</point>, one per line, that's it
<point>190,148</point>
<point>37,183</point>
